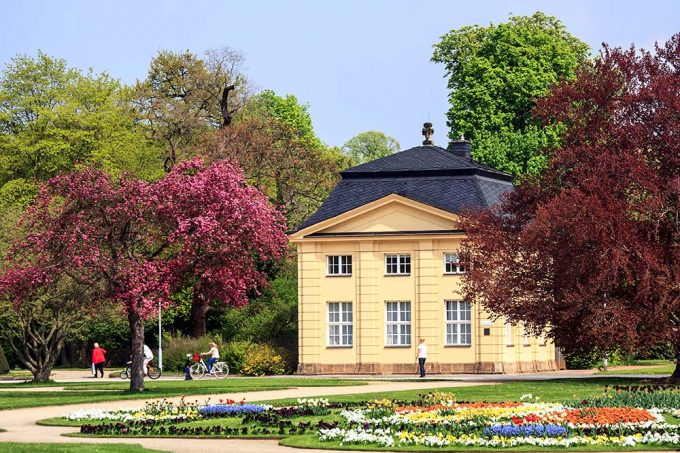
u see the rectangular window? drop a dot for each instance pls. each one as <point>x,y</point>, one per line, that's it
<point>452,264</point>
<point>509,341</point>
<point>398,324</point>
<point>458,323</point>
<point>339,264</point>
<point>397,264</point>
<point>526,337</point>
<point>339,324</point>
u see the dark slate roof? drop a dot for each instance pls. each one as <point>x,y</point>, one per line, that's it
<point>427,174</point>
<point>421,158</point>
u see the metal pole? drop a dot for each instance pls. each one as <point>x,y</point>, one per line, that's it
<point>160,339</point>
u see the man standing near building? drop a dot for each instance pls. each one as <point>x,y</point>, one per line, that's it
<point>422,356</point>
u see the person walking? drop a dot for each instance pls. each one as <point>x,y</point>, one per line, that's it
<point>214,356</point>
<point>421,355</point>
<point>98,359</point>
<point>148,357</point>
<point>187,367</point>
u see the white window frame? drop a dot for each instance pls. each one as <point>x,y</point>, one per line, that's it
<point>509,337</point>
<point>455,319</point>
<point>402,323</point>
<point>342,328</point>
<point>456,267</point>
<point>403,260</point>
<point>344,265</point>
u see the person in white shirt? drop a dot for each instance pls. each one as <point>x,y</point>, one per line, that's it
<point>148,357</point>
<point>214,356</point>
<point>422,356</point>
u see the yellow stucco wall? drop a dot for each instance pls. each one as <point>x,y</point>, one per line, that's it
<point>368,234</point>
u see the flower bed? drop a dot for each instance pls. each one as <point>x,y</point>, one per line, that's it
<point>509,424</point>
<point>436,420</point>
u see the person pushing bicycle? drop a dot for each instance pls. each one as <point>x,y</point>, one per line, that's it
<point>214,354</point>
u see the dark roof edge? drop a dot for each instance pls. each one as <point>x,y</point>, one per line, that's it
<point>420,173</point>
<point>385,233</point>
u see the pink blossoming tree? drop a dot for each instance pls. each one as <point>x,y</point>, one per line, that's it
<point>135,241</point>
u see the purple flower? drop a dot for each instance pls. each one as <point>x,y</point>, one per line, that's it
<point>227,410</point>
<point>527,430</point>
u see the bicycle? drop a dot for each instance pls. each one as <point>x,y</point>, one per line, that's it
<point>219,369</point>
<point>151,371</point>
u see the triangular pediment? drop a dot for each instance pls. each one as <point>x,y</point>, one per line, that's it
<point>391,214</point>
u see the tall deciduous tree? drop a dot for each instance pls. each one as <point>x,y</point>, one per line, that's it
<point>138,240</point>
<point>185,98</point>
<point>590,250</point>
<point>54,118</point>
<point>274,141</point>
<point>370,145</point>
<point>495,74</point>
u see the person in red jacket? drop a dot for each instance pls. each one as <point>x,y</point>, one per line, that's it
<point>98,359</point>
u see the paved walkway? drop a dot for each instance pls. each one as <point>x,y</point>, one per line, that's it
<point>85,376</point>
<point>21,423</point>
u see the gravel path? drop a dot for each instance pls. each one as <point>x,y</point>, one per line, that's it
<point>20,424</point>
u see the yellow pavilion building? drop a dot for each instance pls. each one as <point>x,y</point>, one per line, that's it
<point>378,269</point>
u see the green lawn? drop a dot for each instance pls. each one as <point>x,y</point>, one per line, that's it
<point>73,448</point>
<point>549,390</point>
<point>79,392</point>
<point>662,367</point>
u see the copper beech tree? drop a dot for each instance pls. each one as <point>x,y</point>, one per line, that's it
<point>589,251</point>
<point>198,225</point>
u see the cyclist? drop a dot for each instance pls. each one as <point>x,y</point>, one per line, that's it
<point>148,357</point>
<point>214,356</point>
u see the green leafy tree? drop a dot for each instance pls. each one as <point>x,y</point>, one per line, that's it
<point>54,118</point>
<point>495,74</point>
<point>369,146</point>
<point>269,319</point>
<point>286,110</point>
<point>186,98</point>
<point>273,140</point>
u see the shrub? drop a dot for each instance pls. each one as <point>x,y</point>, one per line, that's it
<point>176,347</point>
<point>587,360</point>
<point>263,359</point>
<point>235,355</point>
<point>4,366</point>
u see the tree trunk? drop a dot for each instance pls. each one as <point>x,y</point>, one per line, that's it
<point>199,316</point>
<point>37,353</point>
<point>675,377</point>
<point>42,374</point>
<point>137,332</point>
<point>224,106</point>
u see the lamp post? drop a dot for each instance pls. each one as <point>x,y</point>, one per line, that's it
<point>160,339</point>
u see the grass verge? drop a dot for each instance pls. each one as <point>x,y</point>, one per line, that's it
<point>79,392</point>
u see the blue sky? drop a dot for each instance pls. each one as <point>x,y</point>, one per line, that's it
<point>360,65</point>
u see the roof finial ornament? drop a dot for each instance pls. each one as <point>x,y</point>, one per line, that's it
<point>427,133</point>
<point>462,137</point>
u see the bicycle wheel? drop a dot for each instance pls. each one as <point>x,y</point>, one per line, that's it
<point>125,373</point>
<point>197,371</point>
<point>221,370</point>
<point>153,372</point>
